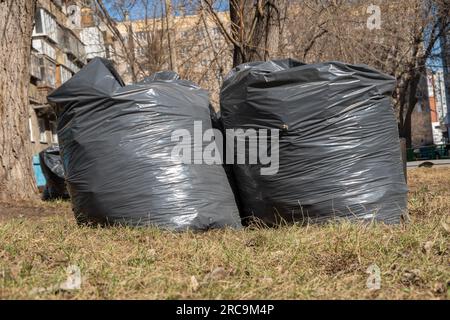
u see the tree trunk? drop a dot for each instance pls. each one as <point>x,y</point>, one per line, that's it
<point>256,25</point>
<point>16,174</point>
<point>238,53</point>
<point>131,52</point>
<point>409,101</point>
<point>407,132</point>
<point>171,36</point>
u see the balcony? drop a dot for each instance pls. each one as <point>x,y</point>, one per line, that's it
<point>48,71</point>
<point>38,95</point>
<point>35,67</point>
<point>70,64</point>
<point>33,94</point>
<point>72,46</point>
<point>43,47</point>
<point>64,74</point>
<point>45,25</point>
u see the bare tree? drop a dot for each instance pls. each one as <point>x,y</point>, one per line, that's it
<point>256,28</point>
<point>16,25</point>
<point>190,43</point>
<point>143,42</point>
<point>170,35</point>
<point>310,30</point>
<point>401,45</point>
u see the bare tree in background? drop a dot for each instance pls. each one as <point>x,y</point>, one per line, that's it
<point>190,43</point>
<point>256,28</point>
<point>16,26</point>
<point>171,35</point>
<point>148,47</point>
<point>312,31</point>
<point>400,46</point>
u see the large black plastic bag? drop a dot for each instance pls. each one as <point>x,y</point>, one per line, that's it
<point>339,148</point>
<point>116,147</point>
<point>53,170</point>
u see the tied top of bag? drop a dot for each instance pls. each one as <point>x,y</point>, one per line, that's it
<point>268,83</point>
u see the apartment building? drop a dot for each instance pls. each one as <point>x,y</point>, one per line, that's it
<point>445,79</point>
<point>438,106</point>
<point>430,117</point>
<point>66,35</point>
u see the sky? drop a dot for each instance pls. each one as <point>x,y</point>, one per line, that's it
<point>155,8</point>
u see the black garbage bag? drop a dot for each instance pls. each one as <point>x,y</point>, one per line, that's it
<point>116,145</point>
<point>339,153</point>
<point>53,170</point>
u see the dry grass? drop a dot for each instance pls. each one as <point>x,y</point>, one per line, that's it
<point>288,263</point>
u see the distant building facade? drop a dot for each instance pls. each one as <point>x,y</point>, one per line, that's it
<point>445,78</point>
<point>429,121</point>
<point>438,107</point>
<point>200,49</point>
<point>61,44</point>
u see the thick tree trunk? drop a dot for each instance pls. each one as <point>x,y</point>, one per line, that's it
<point>16,175</point>
<point>238,53</point>
<point>257,27</point>
<point>408,102</point>
<point>407,132</point>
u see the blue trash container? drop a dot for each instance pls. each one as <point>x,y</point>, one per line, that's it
<point>38,175</point>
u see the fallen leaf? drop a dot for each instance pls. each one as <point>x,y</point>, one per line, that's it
<point>278,253</point>
<point>194,284</point>
<point>73,281</point>
<point>427,247</point>
<point>266,281</point>
<point>446,225</point>
<point>412,277</point>
<point>439,288</point>
<point>38,290</point>
<point>217,274</point>
<point>151,253</point>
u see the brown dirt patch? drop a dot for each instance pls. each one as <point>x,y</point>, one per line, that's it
<point>33,210</point>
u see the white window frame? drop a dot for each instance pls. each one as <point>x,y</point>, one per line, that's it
<point>42,134</point>
<point>53,130</point>
<point>30,127</point>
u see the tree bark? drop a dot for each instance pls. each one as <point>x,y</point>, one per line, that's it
<point>16,174</point>
<point>412,102</point>
<point>256,25</point>
<point>171,36</point>
<point>131,52</point>
<point>238,53</point>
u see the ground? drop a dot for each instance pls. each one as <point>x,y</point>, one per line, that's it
<point>38,242</point>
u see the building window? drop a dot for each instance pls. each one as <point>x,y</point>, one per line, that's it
<point>53,127</point>
<point>38,22</point>
<point>42,132</point>
<point>45,24</point>
<point>30,127</point>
